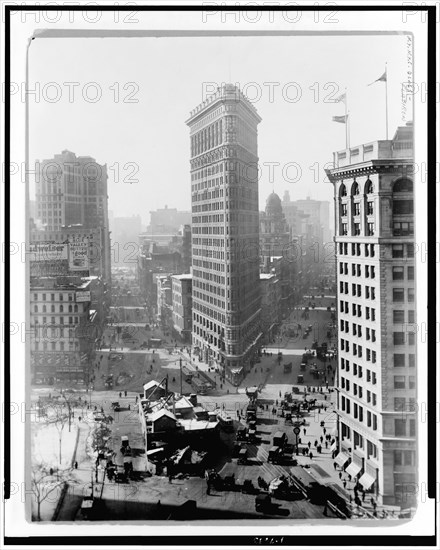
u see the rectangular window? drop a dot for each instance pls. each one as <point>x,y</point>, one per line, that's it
<point>398,338</point>
<point>357,229</point>
<point>399,404</point>
<point>412,382</point>
<point>399,383</point>
<point>398,316</point>
<point>410,295</point>
<point>357,209</point>
<point>397,250</point>
<point>370,208</point>
<point>409,250</point>
<point>411,360</point>
<point>370,229</point>
<point>411,316</point>
<point>412,429</point>
<point>398,273</point>
<point>403,207</point>
<point>411,273</point>
<point>398,295</point>
<point>399,427</point>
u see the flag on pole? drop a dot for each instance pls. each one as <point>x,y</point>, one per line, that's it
<point>342,97</point>
<point>342,118</point>
<point>382,78</point>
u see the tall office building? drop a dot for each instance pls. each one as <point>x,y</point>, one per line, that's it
<point>72,191</point>
<point>373,193</point>
<point>225,219</point>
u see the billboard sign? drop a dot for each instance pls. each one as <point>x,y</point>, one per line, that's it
<point>47,252</point>
<point>83,296</point>
<point>78,256</point>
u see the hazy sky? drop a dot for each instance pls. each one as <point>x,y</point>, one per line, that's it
<point>150,137</point>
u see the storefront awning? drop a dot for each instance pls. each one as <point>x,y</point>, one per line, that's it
<point>366,481</point>
<point>353,469</point>
<point>341,459</point>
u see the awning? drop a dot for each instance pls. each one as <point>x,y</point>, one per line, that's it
<point>333,447</point>
<point>366,481</point>
<point>153,451</point>
<point>353,469</point>
<point>341,459</point>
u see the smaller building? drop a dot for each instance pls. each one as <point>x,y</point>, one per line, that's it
<point>164,300</point>
<point>182,305</point>
<point>270,304</point>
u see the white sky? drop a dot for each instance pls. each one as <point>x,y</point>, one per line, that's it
<point>169,74</point>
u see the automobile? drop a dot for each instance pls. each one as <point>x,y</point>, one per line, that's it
<point>300,379</point>
<point>121,477</point>
<point>274,454</point>
<point>116,406</point>
<point>242,456</point>
<point>248,486</point>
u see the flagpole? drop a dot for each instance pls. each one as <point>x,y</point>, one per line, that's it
<point>386,101</point>
<point>346,121</point>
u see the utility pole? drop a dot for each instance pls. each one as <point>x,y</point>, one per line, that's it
<point>180,363</point>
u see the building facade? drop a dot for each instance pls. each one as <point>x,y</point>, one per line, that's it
<point>225,232</point>
<point>373,193</point>
<point>182,305</point>
<point>72,191</point>
<point>64,330</point>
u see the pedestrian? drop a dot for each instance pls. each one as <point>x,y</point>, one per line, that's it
<point>319,449</point>
<point>326,444</point>
<point>311,455</point>
<point>344,483</point>
<point>363,495</point>
<point>76,465</point>
<point>321,439</point>
<point>79,419</point>
<point>340,475</point>
<point>309,444</point>
<point>316,443</point>
<point>335,466</point>
<point>324,431</point>
<point>304,430</point>
<point>170,478</point>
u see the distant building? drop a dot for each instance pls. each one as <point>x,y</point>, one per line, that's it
<point>376,405</point>
<point>125,239</point>
<point>167,220</point>
<point>182,305</point>
<point>164,300</point>
<point>270,305</point>
<point>72,191</point>
<point>274,230</point>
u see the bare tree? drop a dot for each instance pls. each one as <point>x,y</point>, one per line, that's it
<point>56,415</point>
<point>45,481</point>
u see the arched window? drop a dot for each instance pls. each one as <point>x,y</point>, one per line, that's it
<point>75,308</point>
<point>70,309</point>
<point>368,187</point>
<point>355,188</point>
<point>342,191</point>
<point>404,185</point>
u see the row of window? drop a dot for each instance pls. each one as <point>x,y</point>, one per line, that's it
<point>357,330</point>
<point>60,321</point>
<point>369,230</point>
<point>356,209</point>
<point>356,290</point>
<point>56,346</point>
<point>356,310</point>
<point>369,250</point>
<point>44,297</point>
<point>399,316</point>
<point>357,350</point>
<point>358,412</point>
<point>399,273</point>
<point>356,270</point>
<point>358,371</point>
<point>71,309</point>
<point>399,295</point>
